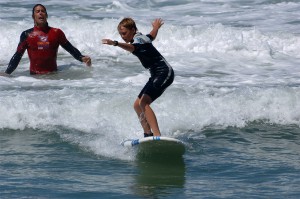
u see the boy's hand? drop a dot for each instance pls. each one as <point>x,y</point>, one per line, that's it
<point>157,23</point>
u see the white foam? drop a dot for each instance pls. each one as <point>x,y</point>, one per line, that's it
<point>226,74</point>
<point>86,35</point>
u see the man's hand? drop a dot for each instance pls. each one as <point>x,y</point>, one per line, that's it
<point>87,60</point>
<point>4,74</point>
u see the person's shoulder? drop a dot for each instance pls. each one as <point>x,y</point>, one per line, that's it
<point>140,38</point>
<point>28,31</point>
<point>25,33</point>
<point>55,29</point>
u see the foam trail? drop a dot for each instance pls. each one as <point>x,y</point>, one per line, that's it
<point>230,69</point>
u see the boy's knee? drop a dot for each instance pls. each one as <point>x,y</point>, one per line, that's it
<point>136,105</point>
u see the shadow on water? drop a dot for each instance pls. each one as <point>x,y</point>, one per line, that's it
<point>160,172</point>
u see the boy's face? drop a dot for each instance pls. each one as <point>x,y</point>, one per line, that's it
<point>126,34</point>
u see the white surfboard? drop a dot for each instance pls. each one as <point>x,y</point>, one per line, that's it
<point>157,145</point>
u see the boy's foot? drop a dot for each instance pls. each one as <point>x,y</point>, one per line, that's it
<point>148,135</point>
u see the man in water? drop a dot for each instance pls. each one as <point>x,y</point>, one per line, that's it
<point>41,43</point>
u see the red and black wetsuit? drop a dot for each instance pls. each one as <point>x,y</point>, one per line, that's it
<point>42,46</point>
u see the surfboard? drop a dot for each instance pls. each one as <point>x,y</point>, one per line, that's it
<point>160,161</point>
<point>157,146</point>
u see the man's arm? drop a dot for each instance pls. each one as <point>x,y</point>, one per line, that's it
<point>16,58</point>
<point>14,62</point>
<point>71,49</point>
<point>76,53</point>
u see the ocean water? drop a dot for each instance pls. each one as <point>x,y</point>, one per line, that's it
<point>235,102</point>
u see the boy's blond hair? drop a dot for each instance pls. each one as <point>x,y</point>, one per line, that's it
<point>127,23</point>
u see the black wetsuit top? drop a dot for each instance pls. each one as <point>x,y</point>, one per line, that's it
<point>162,74</point>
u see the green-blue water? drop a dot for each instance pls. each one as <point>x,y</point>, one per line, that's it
<point>235,102</point>
<point>258,161</point>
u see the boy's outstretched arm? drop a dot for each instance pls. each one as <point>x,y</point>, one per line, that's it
<point>125,46</point>
<point>156,24</point>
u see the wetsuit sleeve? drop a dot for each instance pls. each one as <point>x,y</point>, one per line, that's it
<point>16,58</point>
<point>73,51</point>
<point>139,42</point>
<point>150,37</point>
<point>69,47</point>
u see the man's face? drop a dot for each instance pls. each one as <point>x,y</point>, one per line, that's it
<point>40,16</point>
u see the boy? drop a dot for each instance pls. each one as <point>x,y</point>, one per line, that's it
<point>162,74</point>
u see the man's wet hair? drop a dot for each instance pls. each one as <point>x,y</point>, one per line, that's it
<point>37,6</point>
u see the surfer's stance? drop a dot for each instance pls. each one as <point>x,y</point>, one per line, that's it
<point>162,74</point>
